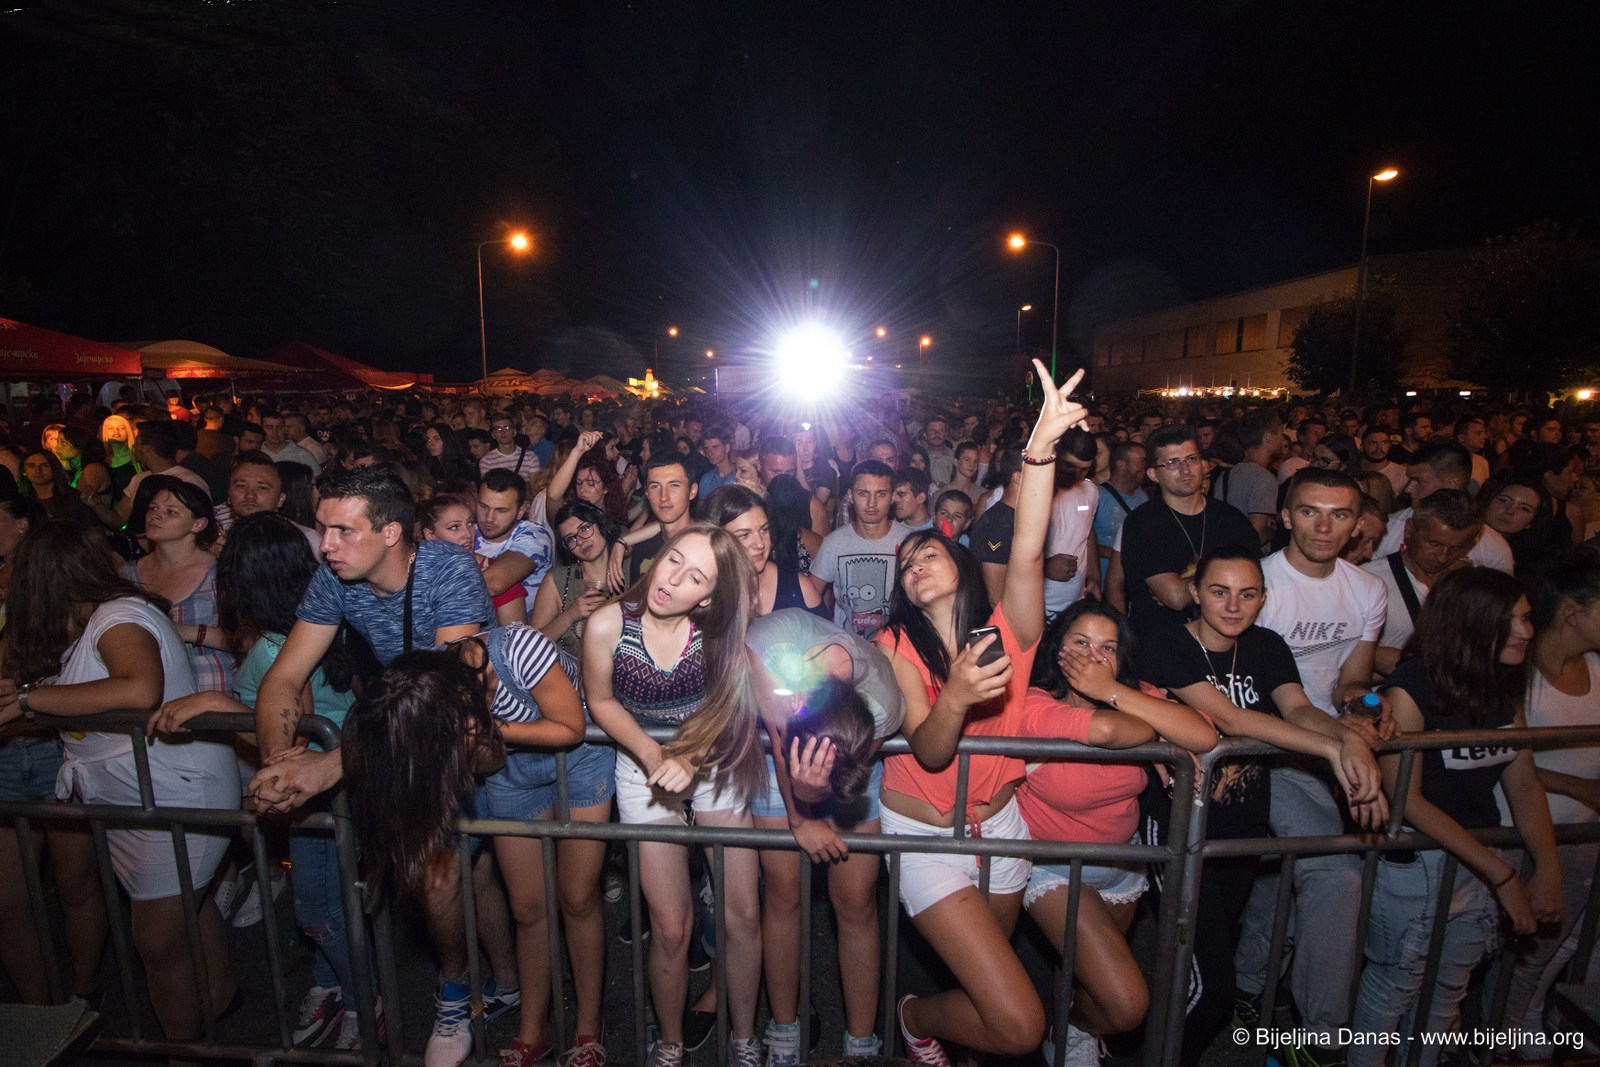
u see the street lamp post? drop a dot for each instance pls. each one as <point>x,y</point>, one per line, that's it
<point>1018,242</point>
<point>518,241</point>
<point>1387,174</point>
<point>1020,310</point>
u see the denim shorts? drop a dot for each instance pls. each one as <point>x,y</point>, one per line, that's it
<point>28,768</point>
<point>1116,883</point>
<point>865,808</point>
<point>525,788</point>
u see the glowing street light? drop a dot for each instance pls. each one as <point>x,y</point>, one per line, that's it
<point>882,332</point>
<point>519,242</point>
<point>1018,242</point>
<point>1385,175</point>
<point>1020,310</point>
<point>672,331</point>
<point>925,341</point>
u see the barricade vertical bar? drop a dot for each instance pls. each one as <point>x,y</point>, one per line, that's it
<point>719,966</point>
<point>891,953</point>
<point>1189,888</point>
<point>355,926</point>
<point>1430,971</point>
<point>141,768</point>
<point>33,885</point>
<point>1586,930</point>
<point>117,925</point>
<point>1369,878</point>
<point>191,929</point>
<point>469,908</point>
<point>1069,958</point>
<point>563,799</point>
<point>958,814</point>
<point>389,977</point>
<point>636,950</point>
<point>1280,930</point>
<point>1503,963</point>
<point>552,919</point>
<point>269,933</point>
<point>803,1007</point>
<point>1169,928</point>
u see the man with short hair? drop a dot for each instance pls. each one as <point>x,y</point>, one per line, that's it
<point>991,533</point>
<point>716,445</point>
<point>276,442</point>
<point>1119,495</point>
<point>941,456</point>
<point>1445,465</point>
<point>1472,433</point>
<point>777,457</point>
<point>858,559</point>
<point>1071,554</point>
<point>156,450</point>
<point>298,430</point>
<point>1439,533</point>
<point>371,570</point>
<point>506,454</point>
<point>884,451</point>
<point>515,554</point>
<point>1164,537</point>
<point>536,428</point>
<point>475,413</point>
<point>669,491</point>
<point>251,437</point>
<point>1307,434</point>
<point>1416,430</point>
<point>1249,484</point>
<point>911,498</point>
<point>255,485</point>
<point>952,515</point>
<point>1375,445</point>
<point>1330,613</point>
<point>479,443</point>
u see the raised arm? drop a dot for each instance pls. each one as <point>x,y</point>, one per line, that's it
<point>561,480</point>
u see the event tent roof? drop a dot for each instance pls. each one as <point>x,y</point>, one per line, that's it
<point>34,352</point>
<point>192,359</point>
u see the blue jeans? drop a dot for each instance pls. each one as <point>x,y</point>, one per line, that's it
<point>1404,903</point>
<point>28,768</point>
<point>318,908</point>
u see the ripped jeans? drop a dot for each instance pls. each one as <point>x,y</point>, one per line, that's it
<point>318,908</point>
<point>1404,903</point>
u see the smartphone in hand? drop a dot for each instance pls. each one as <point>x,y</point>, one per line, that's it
<point>994,651</point>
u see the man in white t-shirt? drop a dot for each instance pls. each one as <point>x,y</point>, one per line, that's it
<point>858,559</point>
<point>1071,555</point>
<point>1439,534</point>
<point>1330,613</point>
<point>1445,466</point>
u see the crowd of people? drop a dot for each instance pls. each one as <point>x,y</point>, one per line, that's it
<point>464,584</point>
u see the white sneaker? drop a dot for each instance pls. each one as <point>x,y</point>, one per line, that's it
<point>229,893</point>
<point>249,912</point>
<point>349,1039</point>
<point>320,1012</point>
<point>451,1040</point>
<point>1083,1049</point>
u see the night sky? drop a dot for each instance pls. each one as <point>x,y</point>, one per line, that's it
<point>251,173</point>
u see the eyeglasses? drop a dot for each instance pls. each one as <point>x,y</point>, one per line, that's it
<point>1179,462</point>
<point>583,530</point>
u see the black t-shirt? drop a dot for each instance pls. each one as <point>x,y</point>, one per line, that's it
<point>991,534</point>
<point>1175,660</point>
<point>1458,781</point>
<point>216,480</point>
<point>643,554</point>
<point>1158,540</point>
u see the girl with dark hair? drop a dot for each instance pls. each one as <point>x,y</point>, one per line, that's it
<point>828,698</point>
<point>45,480</point>
<point>1243,678</point>
<point>299,493</point>
<point>82,641</point>
<point>568,596</point>
<point>444,456</point>
<point>1087,689</point>
<point>952,688</point>
<point>180,529</point>
<point>1519,508</point>
<point>789,508</point>
<point>448,517</point>
<point>1562,688</point>
<point>779,581</point>
<point>689,612</point>
<point>1470,673</point>
<point>590,477</point>
<point>262,571</point>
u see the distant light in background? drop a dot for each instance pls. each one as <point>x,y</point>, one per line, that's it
<point>882,332</point>
<point>1585,394</point>
<point>519,241</point>
<point>672,331</point>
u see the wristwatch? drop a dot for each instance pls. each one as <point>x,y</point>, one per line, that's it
<point>22,700</point>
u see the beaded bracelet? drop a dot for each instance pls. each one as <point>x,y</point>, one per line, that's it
<point>1038,461</point>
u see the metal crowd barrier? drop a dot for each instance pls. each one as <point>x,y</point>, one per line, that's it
<point>1182,872</point>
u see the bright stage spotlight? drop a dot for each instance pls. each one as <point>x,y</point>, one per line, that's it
<point>811,361</point>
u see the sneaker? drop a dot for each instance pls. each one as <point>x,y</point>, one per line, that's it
<point>1246,1008</point>
<point>496,1003</point>
<point>320,1011</point>
<point>783,1044</point>
<point>925,1050</point>
<point>698,960</point>
<point>698,1026</point>
<point>451,1039</point>
<point>869,1047</point>
<point>249,912</point>
<point>1083,1049</point>
<point>349,1039</point>
<point>229,894</point>
<point>586,1051</point>
<point>745,1052</point>
<point>521,1054</point>
<point>616,885</point>
<point>625,935</point>
<point>665,1054</point>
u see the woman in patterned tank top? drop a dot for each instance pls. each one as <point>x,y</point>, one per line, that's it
<point>671,652</point>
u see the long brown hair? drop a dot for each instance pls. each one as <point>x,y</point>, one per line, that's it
<point>63,571</point>
<point>723,732</point>
<point>1462,628</point>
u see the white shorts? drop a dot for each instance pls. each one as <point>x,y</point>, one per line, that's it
<point>928,877</point>
<point>193,774</point>
<point>640,803</point>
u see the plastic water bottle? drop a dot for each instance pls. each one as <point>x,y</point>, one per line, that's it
<point>1367,704</point>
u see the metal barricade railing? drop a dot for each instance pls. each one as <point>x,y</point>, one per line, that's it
<point>1182,873</point>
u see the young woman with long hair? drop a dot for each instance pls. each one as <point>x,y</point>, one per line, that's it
<point>1242,678</point>
<point>567,597</point>
<point>80,640</point>
<point>939,599</point>
<point>1470,673</point>
<point>45,480</point>
<point>671,652</point>
<point>779,581</point>
<point>444,456</point>
<point>180,529</point>
<point>1086,688</point>
<point>262,571</point>
<point>1519,509</point>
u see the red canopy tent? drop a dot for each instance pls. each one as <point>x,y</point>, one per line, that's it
<point>342,372</point>
<point>35,353</point>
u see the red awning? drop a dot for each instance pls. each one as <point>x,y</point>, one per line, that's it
<point>36,353</point>
<point>311,358</point>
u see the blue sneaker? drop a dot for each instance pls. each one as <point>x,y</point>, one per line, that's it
<point>496,1003</point>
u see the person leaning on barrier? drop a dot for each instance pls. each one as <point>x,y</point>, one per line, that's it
<point>1086,688</point>
<point>80,640</point>
<point>1470,673</point>
<point>953,690</point>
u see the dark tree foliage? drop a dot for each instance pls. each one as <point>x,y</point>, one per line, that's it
<point>1524,317</point>
<point>1319,357</point>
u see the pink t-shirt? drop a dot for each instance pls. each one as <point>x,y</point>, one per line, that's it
<point>1065,800</point>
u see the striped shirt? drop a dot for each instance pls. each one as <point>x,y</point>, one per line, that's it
<point>529,655</point>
